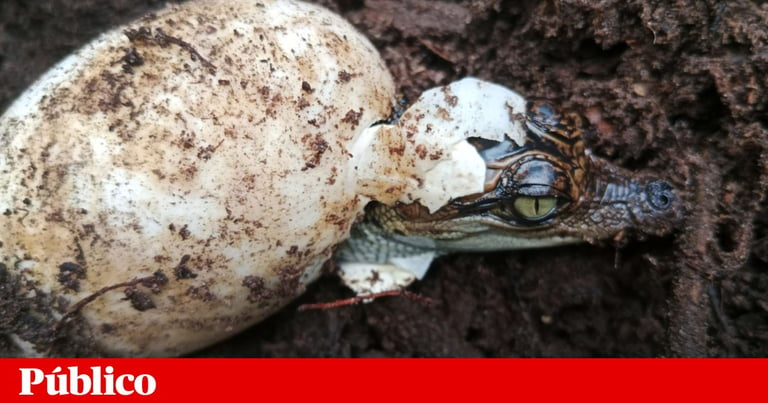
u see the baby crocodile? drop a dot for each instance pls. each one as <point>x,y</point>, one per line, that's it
<point>548,191</point>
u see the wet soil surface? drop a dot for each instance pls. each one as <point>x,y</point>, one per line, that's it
<point>675,89</point>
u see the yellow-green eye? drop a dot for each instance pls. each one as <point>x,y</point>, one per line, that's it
<point>534,208</point>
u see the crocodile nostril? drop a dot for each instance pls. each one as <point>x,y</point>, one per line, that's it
<point>660,194</point>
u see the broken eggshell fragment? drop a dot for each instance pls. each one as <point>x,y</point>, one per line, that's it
<point>428,147</point>
<point>181,178</point>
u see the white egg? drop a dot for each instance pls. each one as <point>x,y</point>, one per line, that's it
<point>208,142</point>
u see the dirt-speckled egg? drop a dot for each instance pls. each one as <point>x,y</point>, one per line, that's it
<point>182,177</point>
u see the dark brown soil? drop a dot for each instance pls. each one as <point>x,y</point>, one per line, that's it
<point>677,89</point>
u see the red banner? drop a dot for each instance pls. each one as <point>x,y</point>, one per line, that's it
<point>380,380</point>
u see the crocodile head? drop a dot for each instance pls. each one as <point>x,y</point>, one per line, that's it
<point>542,190</point>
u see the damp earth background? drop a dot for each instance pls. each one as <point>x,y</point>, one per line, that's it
<point>675,89</point>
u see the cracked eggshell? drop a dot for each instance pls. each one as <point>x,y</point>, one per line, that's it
<point>443,119</point>
<point>426,157</point>
<point>209,142</point>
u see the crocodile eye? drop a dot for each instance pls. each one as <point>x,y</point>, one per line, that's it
<point>535,207</point>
